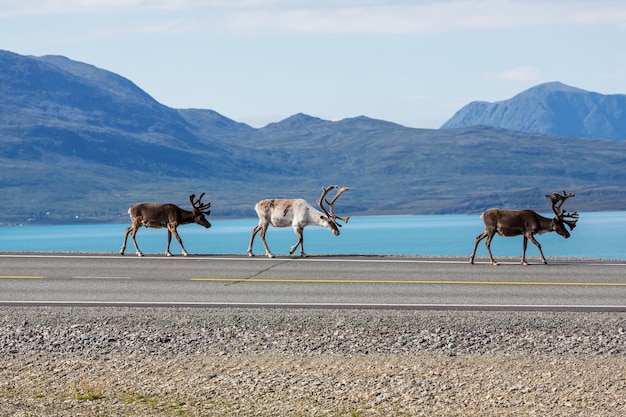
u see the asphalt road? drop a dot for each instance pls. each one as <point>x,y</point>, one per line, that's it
<point>318,281</point>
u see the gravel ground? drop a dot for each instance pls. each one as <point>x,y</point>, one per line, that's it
<point>64,361</point>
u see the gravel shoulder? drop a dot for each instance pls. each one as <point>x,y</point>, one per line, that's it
<point>69,361</point>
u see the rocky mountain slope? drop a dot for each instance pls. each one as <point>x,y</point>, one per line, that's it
<point>551,109</point>
<point>81,144</point>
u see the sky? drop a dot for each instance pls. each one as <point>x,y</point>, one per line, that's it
<point>412,62</point>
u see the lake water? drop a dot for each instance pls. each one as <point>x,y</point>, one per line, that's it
<point>597,235</point>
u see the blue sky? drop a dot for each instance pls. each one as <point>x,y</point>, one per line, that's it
<point>259,61</point>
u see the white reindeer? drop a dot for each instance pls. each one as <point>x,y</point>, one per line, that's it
<point>298,214</point>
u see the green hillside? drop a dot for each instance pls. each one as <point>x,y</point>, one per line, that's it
<point>79,144</point>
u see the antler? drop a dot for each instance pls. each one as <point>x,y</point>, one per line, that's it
<point>198,205</point>
<point>557,201</point>
<point>331,203</point>
<point>322,198</point>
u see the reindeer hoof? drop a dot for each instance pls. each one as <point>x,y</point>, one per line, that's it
<point>250,254</point>
<point>185,254</point>
<point>139,254</point>
<point>270,255</point>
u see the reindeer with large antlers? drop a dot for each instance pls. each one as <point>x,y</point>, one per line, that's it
<point>298,214</point>
<point>526,223</point>
<point>166,215</point>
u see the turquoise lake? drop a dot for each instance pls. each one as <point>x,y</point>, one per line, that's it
<point>597,235</point>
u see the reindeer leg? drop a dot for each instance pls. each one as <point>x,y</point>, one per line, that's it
<point>267,249</point>
<point>169,240</point>
<point>133,232</point>
<point>532,239</point>
<point>478,239</point>
<point>123,248</point>
<point>488,245</point>
<point>171,230</point>
<point>524,245</point>
<point>254,232</point>
<point>299,233</point>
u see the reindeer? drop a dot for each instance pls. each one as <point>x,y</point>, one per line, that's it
<point>526,223</point>
<point>298,214</point>
<point>165,215</point>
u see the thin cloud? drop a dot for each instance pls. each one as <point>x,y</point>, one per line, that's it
<point>345,16</point>
<point>12,8</point>
<point>426,17</point>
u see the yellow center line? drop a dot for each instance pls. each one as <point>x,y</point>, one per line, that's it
<point>20,276</point>
<point>407,281</point>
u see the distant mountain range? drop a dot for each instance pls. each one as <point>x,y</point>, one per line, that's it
<point>81,144</point>
<point>550,109</point>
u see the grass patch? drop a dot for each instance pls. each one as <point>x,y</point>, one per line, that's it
<point>87,390</point>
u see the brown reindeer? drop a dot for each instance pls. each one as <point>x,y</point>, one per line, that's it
<point>526,223</point>
<point>298,214</point>
<point>165,215</point>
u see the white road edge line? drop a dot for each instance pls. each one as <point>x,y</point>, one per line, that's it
<point>424,259</point>
<point>319,305</point>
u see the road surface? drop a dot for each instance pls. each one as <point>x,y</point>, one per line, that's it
<point>317,281</point>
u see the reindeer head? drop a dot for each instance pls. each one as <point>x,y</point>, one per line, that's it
<point>329,224</point>
<point>329,215</point>
<point>562,218</point>
<point>199,210</point>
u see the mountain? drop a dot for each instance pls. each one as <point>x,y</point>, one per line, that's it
<point>59,108</point>
<point>551,109</point>
<point>81,144</point>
